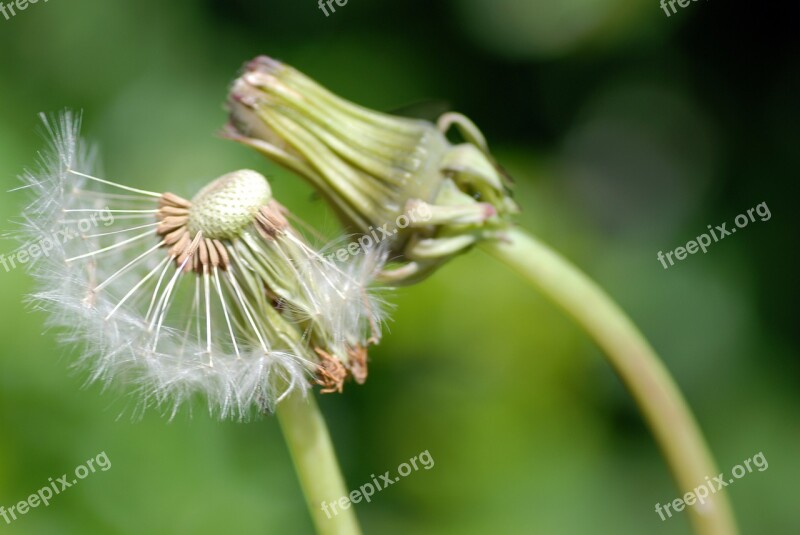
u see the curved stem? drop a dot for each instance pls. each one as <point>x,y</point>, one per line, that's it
<point>315,461</point>
<point>645,376</point>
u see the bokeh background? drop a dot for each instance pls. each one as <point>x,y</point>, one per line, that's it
<point>627,132</point>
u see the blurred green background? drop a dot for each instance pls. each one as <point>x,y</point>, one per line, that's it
<point>627,133</point>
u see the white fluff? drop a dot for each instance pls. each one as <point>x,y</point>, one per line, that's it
<point>250,365</point>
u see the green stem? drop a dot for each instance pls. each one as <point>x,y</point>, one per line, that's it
<point>646,377</point>
<point>315,461</point>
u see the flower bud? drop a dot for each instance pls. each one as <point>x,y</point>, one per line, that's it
<point>375,169</point>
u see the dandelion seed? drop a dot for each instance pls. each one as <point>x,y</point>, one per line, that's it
<point>216,295</point>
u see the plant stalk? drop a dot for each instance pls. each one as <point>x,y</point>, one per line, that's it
<point>645,376</point>
<point>315,461</point>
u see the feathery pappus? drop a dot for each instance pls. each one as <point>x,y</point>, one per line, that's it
<point>217,295</point>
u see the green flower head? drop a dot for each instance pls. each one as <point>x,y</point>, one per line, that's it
<point>433,198</point>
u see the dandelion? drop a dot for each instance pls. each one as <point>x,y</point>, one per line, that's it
<point>217,295</point>
<point>371,166</point>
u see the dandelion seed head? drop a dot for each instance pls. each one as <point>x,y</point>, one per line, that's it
<point>229,204</point>
<point>216,296</point>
